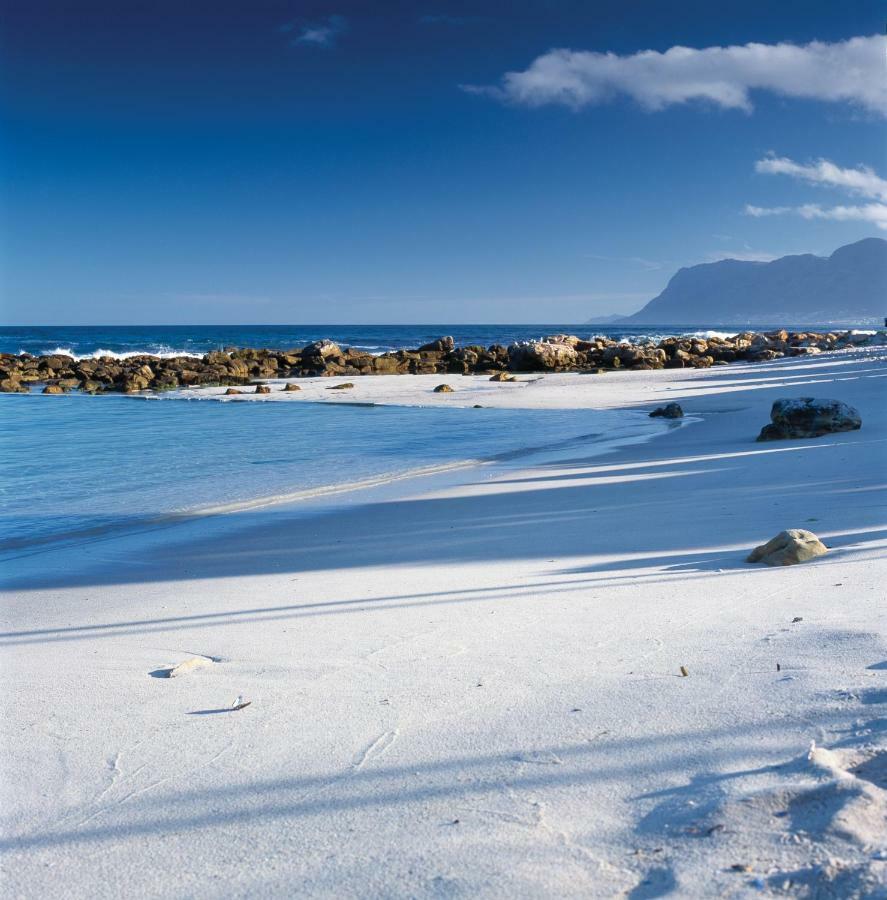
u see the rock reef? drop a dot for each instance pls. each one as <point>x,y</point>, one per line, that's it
<point>555,353</point>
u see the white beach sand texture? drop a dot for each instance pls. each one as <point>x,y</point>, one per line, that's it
<point>470,686</point>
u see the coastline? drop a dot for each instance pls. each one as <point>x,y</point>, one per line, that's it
<point>484,658</point>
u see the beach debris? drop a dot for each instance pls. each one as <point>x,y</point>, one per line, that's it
<point>183,668</point>
<point>684,672</point>
<point>231,391</point>
<point>443,389</point>
<point>346,385</point>
<point>778,667</point>
<point>797,619</point>
<point>669,411</point>
<point>240,703</point>
<point>503,376</point>
<point>740,867</point>
<point>263,389</point>
<point>788,548</point>
<point>289,386</point>
<point>807,417</point>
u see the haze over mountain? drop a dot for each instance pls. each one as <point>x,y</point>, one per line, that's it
<point>850,286</point>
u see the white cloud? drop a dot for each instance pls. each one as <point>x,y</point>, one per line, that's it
<point>320,34</point>
<point>851,71</point>
<point>860,181</point>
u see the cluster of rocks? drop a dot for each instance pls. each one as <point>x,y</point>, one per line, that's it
<point>556,353</point>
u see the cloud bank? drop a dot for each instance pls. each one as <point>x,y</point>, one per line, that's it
<point>852,71</point>
<point>860,181</point>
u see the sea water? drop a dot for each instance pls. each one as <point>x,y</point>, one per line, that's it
<point>73,466</point>
<point>176,340</point>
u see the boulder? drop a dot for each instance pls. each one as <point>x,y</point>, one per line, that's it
<point>53,389</point>
<point>443,389</point>
<point>442,345</point>
<point>542,355</point>
<point>289,386</point>
<point>322,349</point>
<point>788,547</point>
<point>502,376</point>
<point>346,385</point>
<point>232,391</point>
<point>807,417</point>
<point>669,411</point>
<point>13,386</point>
<point>263,388</point>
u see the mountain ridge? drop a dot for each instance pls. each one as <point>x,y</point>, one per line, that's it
<point>850,285</point>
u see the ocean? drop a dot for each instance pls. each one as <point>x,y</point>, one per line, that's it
<point>78,465</point>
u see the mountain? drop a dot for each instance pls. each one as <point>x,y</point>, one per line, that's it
<point>849,286</point>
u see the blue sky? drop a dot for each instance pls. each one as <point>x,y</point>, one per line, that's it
<point>278,162</point>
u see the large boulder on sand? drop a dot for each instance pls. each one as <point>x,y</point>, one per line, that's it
<point>806,417</point>
<point>443,389</point>
<point>788,547</point>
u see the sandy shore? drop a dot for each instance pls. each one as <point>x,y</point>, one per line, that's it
<point>469,685</point>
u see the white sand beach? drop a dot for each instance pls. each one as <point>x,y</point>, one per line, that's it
<point>469,684</point>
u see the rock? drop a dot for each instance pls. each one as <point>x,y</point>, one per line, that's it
<point>502,376</point>
<point>322,349</point>
<point>346,385</point>
<point>13,386</point>
<point>788,547</point>
<point>291,387</point>
<point>808,417</point>
<point>669,411</point>
<point>443,389</point>
<point>231,391</point>
<point>53,389</point>
<point>443,345</point>
<point>263,388</point>
<point>542,355</point>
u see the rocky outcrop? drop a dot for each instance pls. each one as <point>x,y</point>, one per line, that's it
<point>788,547</point>
<point>669,411</point>
<point>807,417</point>
<point>443,389</point>
<point>556,353</point>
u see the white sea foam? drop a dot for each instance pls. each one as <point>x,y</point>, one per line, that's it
<point>162,352</point>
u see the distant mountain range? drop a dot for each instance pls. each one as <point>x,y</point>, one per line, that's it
<point>848,287</point>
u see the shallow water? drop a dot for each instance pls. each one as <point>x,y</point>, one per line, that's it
<point>76,465</point>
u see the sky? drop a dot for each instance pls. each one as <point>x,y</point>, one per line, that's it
<point>285,162</point>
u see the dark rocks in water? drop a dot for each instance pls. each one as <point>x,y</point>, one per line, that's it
<point>669,411</point>
<point>263,389</point>
<point>807,417</point>
<point>232,391</point>
<point>289,387</point>
<point>443,389</point>
<point>54,389</point>
<point>788,548</point>
<point>345,386</point>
